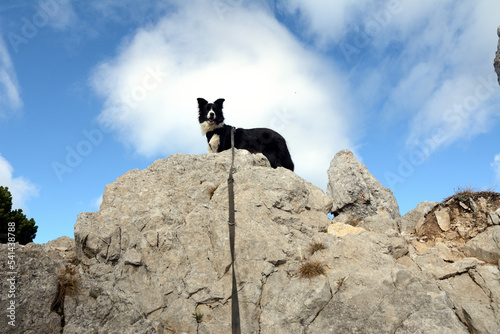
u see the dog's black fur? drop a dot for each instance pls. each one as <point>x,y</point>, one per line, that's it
<point>260,140</point>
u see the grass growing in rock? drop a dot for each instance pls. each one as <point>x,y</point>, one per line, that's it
<point>463,216</point>
<point>463,194</point>
<point>67,285</point>
<point>316,247</point>
<point>311,269</point>
<point>198,317</point>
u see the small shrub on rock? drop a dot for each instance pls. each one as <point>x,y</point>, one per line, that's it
<point>316,247</point>
<point>311,269</point>
<point>67,285</point>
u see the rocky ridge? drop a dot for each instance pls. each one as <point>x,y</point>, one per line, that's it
<point>155,257</point>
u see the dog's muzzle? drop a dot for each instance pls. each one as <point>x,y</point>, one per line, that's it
<point>211,116</point>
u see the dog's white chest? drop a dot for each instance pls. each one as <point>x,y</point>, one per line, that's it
<point>213,144</point>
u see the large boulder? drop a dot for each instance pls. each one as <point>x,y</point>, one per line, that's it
<point>358,197</point>
<point>158,249</point>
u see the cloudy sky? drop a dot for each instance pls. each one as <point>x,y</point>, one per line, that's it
<point>92,89</point>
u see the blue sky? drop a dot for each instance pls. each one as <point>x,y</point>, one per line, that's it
<point>92,89</point>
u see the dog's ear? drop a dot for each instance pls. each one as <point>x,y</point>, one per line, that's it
<point>202,102</point>
<point>219,102</point>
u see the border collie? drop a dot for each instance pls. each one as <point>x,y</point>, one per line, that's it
<point>260,140</point>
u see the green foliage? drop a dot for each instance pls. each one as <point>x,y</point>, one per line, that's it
<point>25,229</point>
<point>5,203</point>
<point>198,317</point>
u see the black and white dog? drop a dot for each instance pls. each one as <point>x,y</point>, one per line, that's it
<point>260,140</point>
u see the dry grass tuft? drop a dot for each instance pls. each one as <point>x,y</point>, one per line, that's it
<point>311,269</point>
<point>67,284</point>
<point>465,193</point>
<point>316,247</point>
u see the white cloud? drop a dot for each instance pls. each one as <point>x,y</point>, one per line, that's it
<point>245,56</point>
<point>459,90</point>
<point>434,60</point>
<point>323,21</point>
<point>496,167</point>
<point>21,189</point>
<point>128,10</point>
<point>10,99</point>
<point>96,202</point>
<point>462,107</point>
<point>64,18</point>
<point>59,15</point>
<point>427,57</point>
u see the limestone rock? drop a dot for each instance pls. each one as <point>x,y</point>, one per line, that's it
<point>155,259</point>
<point>341,230</point>
<point>159,247</point>
<point>486,246</point>
<point>371,293</point>
<point>34,287</point>
<point>415,218</point>
<point>441,269</point>
<point>488,279</point>
<point>443,220</point>
<point>460,218</point>
<point>381,223</point>
<point>354,190</point>
<point>472,287</point>
<point>425,321</point>
<point>494,217</point>
<point>472,304</point>
<point>174,215</point>
<point>62,244</point>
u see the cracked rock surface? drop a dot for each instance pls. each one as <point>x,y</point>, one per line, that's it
<point>156,259</point>
<point>356,193</point>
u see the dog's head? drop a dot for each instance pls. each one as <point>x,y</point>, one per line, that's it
<point>210,114</point>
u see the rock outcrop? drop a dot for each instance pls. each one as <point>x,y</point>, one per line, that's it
<point>160,242</point>
<point>468,223</point>
<point>32,286</point>
<point>496,62</point>
<point>155,258</point>
<point>414,219</point>
<point>358,197</point>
